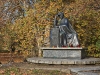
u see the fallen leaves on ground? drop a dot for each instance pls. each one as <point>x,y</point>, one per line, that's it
<point>2,71</point>
<point>19,71</point>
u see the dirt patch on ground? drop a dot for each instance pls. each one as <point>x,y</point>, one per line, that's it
<point>8,57</point>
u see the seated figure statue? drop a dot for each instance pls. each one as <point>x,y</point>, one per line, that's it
<point>68,36</point>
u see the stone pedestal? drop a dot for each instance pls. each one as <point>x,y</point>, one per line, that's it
<point>69,53</point>
<point>54,37</point>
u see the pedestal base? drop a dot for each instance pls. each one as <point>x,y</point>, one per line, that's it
<point>69,53</point>
<point>41,60</point>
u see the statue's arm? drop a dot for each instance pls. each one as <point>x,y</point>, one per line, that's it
<point>55,21</point>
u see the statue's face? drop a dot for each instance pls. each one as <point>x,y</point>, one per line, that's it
<point>61,15</point>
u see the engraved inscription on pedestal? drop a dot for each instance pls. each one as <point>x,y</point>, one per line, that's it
<point>54,37</point>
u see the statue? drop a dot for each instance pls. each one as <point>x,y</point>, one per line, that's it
<point>68,36</point>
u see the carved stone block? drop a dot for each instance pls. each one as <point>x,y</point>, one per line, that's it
<point>54,37</point>
<point>71,53</point>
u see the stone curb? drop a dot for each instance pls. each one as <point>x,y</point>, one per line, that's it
<point>41,60</point>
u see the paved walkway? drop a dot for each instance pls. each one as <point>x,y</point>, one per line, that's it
<point>92,70</point>
<point>71,69</point>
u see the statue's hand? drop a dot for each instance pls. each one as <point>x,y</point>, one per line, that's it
<point>56,26</point>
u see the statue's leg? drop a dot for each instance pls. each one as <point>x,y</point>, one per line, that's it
<point>61,40</point>
<point>64,40</point>
<point>69,39</point>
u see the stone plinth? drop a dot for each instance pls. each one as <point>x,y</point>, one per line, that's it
<point>54,37</point>
<point>71,53</point>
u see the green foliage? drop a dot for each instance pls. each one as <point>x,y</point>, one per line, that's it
<point>98,44</point>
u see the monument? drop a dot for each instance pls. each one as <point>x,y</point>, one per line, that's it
<point>64,41</point>
<point>66,35</point>
<point>64,46</point>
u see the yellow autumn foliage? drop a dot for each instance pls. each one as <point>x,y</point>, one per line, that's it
<point>32,32</point>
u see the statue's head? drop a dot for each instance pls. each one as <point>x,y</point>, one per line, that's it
<point>61,15</point>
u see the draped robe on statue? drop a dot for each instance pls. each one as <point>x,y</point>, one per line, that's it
<point>68,36</point>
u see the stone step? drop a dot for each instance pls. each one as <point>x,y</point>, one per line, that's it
<point>93,70</point>
<point>41,60</point>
